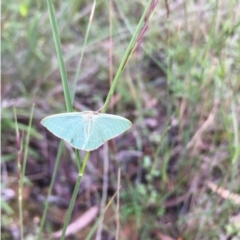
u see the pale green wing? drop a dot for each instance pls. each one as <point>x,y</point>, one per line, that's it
<point>96,136</point>
<point>112,125</point>
<point>68,126</point>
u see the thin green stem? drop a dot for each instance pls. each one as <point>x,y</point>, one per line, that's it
<point>93,229</point>
<point>118,207</point>
<point>20,207</point>
<point>46,205</point>
<point>26,146</point>
<point>82,52</point>
<point>74,196</point>
<point>126,57</point>
<point>20,149</point>
<point>23,170</point>
<point>60,56</point>
<point>236,132</point>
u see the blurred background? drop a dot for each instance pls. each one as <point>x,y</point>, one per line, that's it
<point>180,169</point>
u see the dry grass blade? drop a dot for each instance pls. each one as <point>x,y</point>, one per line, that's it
<point>197,138</point>
<point>224,193</point>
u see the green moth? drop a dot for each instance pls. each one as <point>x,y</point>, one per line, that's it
<point>86,130</point>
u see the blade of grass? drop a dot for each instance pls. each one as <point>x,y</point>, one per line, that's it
<point>118,207</point>
<point>75,192</point>
<point>46,205</point>
<point>236,132</point>
<point>23,170</point>
<point>104,189</point>
<point>93,229</point>
<point>26,147</point>
<point>60,56</point>
<point>20,151</point>
<point>82,52</point>
<point>127,55</point>
<point>110,42</point>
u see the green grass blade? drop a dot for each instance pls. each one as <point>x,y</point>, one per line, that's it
<point>236,143</point>
<point>126,56</point>
<point>74,196</point>
<point>23,170</point>
<point>82,52</point>
<point>60,56</point>
<point>93,229</point>
<point>19,146</point>
<point>46,205</point>
<point>26,146</point>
